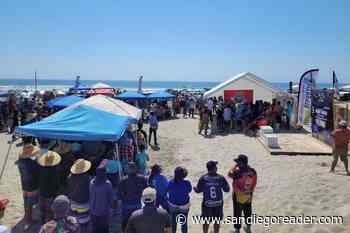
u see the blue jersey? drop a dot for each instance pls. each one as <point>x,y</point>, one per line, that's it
<point>212,187</point>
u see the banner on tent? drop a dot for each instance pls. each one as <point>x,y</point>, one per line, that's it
<point>239,96</point>
<point>322,115</point>
<point>306,85</point>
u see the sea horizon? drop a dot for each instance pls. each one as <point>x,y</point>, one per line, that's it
<point>126,84</point>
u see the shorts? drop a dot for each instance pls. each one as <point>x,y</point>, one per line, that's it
<point>214,212</point>
<point>340,152</point>
<point>30,198</point>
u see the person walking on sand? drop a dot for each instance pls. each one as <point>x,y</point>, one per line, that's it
<point>179,191</point>
<point>150,218</point>
<point>244,182</point>
<point>341,137</point>
<point>153,127</point>
<point>211,185</point>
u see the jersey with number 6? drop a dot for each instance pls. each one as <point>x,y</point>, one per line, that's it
<point>212,187</point>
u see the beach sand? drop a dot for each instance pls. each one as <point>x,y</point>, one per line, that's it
<point>286,185</point>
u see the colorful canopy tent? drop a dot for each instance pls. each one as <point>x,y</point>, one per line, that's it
<point>101,86</point>
<point>114,106</point>
<point>131,95</point>
<point>78,123</point>
<point>161,95</point>
<point>63,102</point>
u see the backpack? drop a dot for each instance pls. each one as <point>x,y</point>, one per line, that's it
<point>244,185</point>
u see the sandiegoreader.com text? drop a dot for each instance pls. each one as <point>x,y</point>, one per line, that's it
<point>262,220</point>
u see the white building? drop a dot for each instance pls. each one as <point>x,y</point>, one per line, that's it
<point>245,84</point>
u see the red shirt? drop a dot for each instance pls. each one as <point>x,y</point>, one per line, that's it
<point>341,137</point>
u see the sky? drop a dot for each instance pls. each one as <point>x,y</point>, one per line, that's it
<point>178,40</point>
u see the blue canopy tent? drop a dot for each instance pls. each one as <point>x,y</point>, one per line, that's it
<point>65,101</point>
<point>161,95</point>
<point>131,96</point>
<point>79,123</point>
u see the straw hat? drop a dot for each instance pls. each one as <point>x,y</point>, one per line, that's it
<point>63,148</point>
<point>49,159</point>
<point>80,166</point>
<point>29,151</point>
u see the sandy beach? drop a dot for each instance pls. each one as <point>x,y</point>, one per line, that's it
<point>287,185</point>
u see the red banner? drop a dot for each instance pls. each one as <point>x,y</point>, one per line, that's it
<point>245,96</point>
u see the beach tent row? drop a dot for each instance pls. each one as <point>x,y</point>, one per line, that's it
<point>98,118</point>
<point>139,96</point>
<point>63,102</point>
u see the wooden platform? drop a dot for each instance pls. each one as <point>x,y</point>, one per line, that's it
<point>298,144</point>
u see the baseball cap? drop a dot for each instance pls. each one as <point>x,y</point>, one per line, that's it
<point>211,164</point>
<point>149,195</point>
<point>241,159</point>
<point>343,124</point>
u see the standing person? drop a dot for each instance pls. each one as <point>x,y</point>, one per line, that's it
<point>131,189</point>
<point>79,191</point>
<point>289,113</point>
<point>150,218</point>
<point>179,191</point>
<point>341,138</point>
<point>244,182</point>
<point>227,115</point>
<point>153,127</point>
<point>61,222</point>
<point>160,183</point>
<point>101,198</point>
<point>49,183</point>
<point>212,185</point>
<point>204,118</point>
<point>141,160</point>
<point>192,106</point>
<point>141,135</point>
<point>29,173</point>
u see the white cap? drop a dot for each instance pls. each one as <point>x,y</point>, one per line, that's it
<point>149,195</point>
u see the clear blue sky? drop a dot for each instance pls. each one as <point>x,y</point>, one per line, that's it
<point>174,40</point>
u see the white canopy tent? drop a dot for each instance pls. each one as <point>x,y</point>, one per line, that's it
<point>108,104</point>
<point>261,89</point>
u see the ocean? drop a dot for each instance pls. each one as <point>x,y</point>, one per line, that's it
<point>28,84</point>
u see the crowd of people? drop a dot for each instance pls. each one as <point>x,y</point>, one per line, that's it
<point>77,191</point>
<point>225,116</point>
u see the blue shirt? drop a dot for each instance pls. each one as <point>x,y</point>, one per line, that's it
<point>141,160</point>
<point>159,183</point>
<point>212,187</point>
<point>179,192</point>
<point>153,121</point>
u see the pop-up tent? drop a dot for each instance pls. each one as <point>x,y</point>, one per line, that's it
<point>101,86</point>
<point>63,102</point>
<point>129,95</point>
<point>161,95</point>
<point>79,123</point>
<point>108,104</point>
